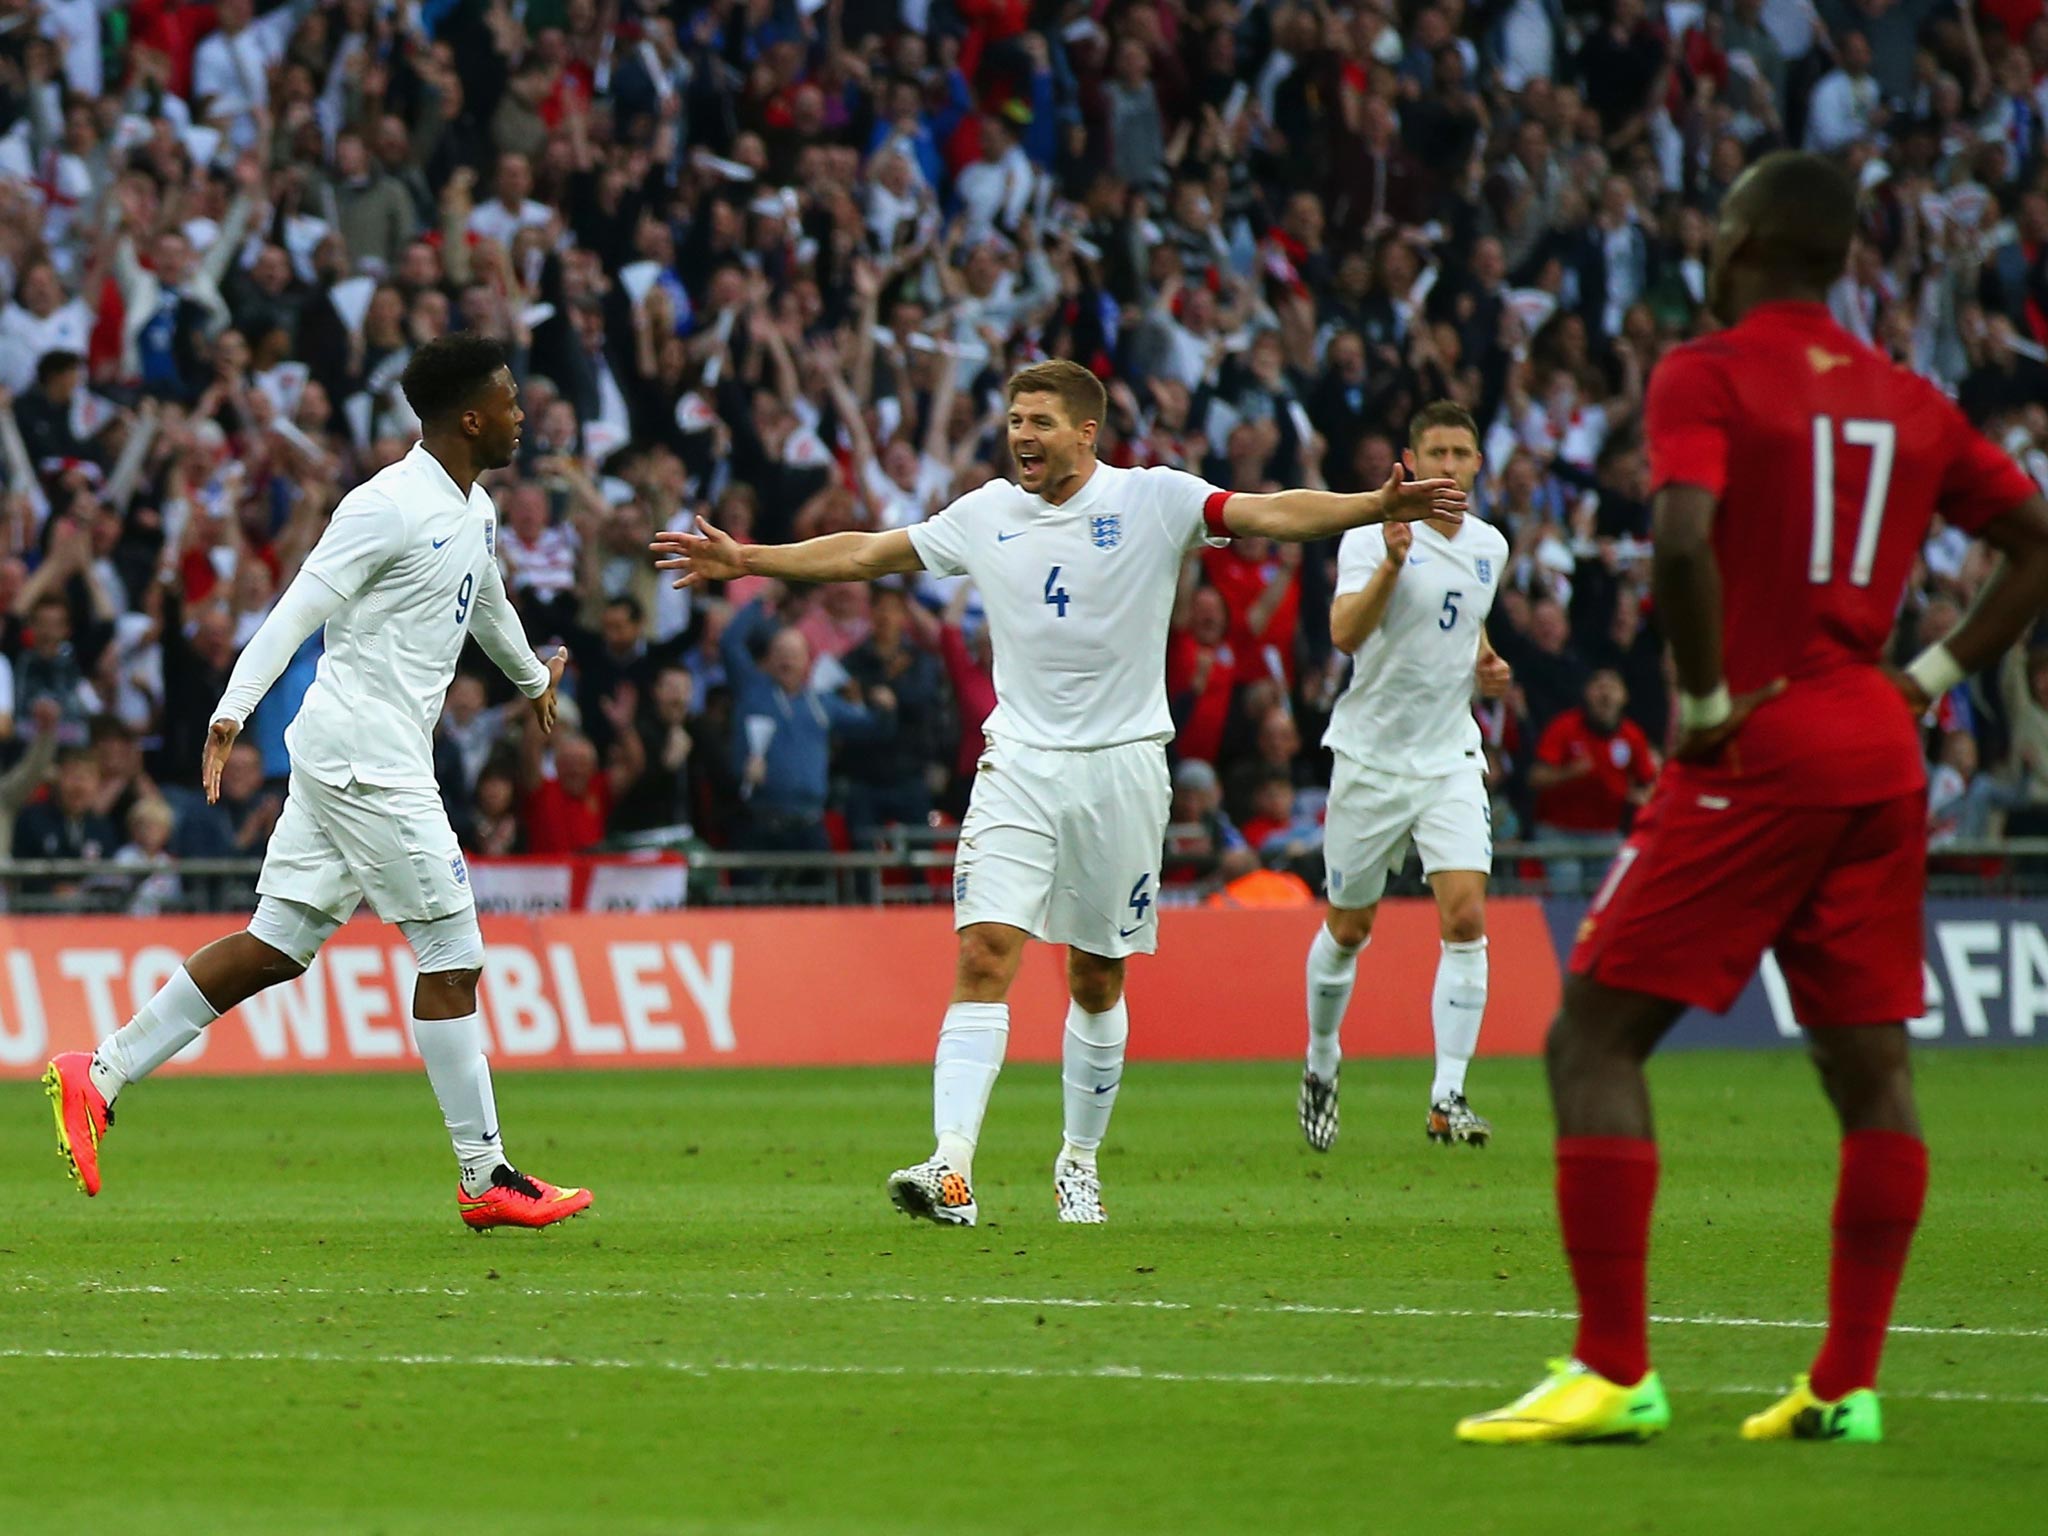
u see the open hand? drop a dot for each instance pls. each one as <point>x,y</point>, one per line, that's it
<point>220,740</point>
<point>709,554</point>
<point>544,706</point>
<point>1699,745</point>
<point>1407,501</point>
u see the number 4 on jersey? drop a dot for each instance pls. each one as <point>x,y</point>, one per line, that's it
<point>1055,594</point>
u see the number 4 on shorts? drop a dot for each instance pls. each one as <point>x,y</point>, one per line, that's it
<point>1141,899</point>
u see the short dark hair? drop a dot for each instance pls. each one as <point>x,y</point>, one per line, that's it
<point>52,364</point>
<point>1080,393</point>
<point>448,373</point>
<point>1440,413</point>
<point>630,604</point>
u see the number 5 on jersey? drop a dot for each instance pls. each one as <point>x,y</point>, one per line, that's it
<point>1055,594</point>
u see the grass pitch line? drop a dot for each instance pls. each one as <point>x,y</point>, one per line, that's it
<point>709,1368</point>
<point>1080,1303</point>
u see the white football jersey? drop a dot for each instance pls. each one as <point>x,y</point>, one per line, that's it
<point>416,561</point>
<point>1079,598</point>
<point>1408,709</point>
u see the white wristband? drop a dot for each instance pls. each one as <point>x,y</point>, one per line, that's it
<point>1703,714</point>
<point>1935,670</point>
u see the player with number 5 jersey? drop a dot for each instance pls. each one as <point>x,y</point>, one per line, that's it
<point>1078,565</point>
<point>1410,610</point>
<point>1797,473</point>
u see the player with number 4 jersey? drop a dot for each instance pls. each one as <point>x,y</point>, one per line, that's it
<point>1797,473</point>
<point>1410,610</point>
<point>1078,564</point>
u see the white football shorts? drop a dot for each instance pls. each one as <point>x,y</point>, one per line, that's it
<point>1066,845</point>
<point>1374,816</point>
<point>335,846</point>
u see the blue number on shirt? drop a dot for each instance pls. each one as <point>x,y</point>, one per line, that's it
<point>1055,595</point>
<point>1450,614</point>
<point>1140,900</point>
<point>462,596</point>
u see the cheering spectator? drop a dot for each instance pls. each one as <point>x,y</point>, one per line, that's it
<point>783,731</point>
<point>1593,767</point>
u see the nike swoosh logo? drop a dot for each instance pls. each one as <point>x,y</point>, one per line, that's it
<point>439,542</point>
<point>1418,560</point>
<point>1107,1087</point>
<point>1004,538</point>
<point>1125,933</point>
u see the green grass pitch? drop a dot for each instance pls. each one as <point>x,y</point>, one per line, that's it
<point>271,1321</point>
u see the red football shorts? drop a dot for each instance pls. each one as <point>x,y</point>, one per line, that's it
<point>1707,884</point>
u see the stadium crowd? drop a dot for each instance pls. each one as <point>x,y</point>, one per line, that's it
<point>770,261</point>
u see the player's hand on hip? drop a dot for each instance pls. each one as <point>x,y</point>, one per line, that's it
<point>220,740</point>
<point>707,554</point>
<point>544,706</point>
<point>1406,501</point>
<point>1493,675</point>
<point>1399,538</point>
<point>1697,746</point>
<point>1915,696</point>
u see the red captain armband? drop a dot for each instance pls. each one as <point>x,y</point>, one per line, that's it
<point>1212,515</point>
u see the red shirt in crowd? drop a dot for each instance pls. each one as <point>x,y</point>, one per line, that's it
<point>1595,802</point>
<point>558,822</point>
<point>1242,582</point>
<point>974,691</point>
<point>1782,414</point>
<point>1201,732</point>
<point>174,28</point>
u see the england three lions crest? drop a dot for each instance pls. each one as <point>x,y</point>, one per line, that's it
<point>1106,529</point>
<point>1485,569</point>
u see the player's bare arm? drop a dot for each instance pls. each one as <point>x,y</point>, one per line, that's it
<point>1686,580</point>
<point>711,554</point>
<point>1355,615</point>
<point>1300,516</point>
<point>2009,604</point>
<point>1491,675</point>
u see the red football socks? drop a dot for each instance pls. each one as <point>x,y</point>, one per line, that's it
<point>1877,1206</point>
<point>1605,1188</point>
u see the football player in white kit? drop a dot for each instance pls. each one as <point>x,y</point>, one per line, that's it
<point>1410,610</point>
<point>405,571</point>
<point>1078,564</point>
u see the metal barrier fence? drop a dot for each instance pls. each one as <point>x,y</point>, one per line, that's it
<point>913,867</point>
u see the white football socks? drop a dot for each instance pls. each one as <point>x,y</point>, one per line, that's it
<point>971,1046</point>
<point>453,1050</point>
<point>1456,1006</point>
<point>168,1023</point>
<point>1331,971</point>
<point>1091,1067</point>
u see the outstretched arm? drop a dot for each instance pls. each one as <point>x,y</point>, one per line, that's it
<point>1301,516</point>
<point>710,554</point>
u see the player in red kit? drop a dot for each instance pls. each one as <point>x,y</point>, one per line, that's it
<point>1797,472</point>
